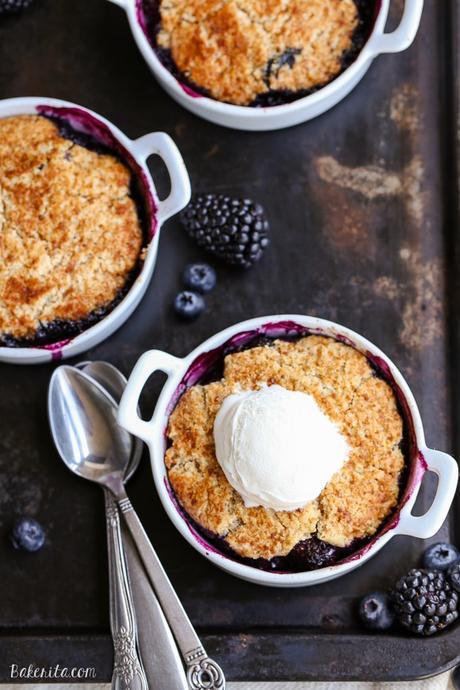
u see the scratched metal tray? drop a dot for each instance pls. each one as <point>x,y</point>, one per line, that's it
<point>364,214</point>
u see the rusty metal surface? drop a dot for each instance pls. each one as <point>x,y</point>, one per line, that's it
<point>363,210</point>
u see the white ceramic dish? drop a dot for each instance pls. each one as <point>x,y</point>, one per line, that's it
<point>136,153</point>
<point>183,372</point>
<point>280,116</point>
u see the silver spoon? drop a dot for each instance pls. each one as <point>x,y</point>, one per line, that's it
<point>111,378</point>
<point>158,651</point>
<point>91,443</point>
<point>128,669</point>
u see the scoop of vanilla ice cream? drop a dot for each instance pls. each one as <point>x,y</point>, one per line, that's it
<point>276,447</point>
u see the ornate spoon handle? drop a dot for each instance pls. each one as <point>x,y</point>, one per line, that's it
<point>128,671</point>
<point>202,672</point>
<point>162,662</point>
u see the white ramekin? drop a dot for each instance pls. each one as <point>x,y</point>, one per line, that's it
<point>183,372</point>
<point>135,153</point>
<point>280,116</point>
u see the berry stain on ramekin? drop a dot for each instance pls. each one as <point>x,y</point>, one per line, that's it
<point>56,349</point>
<point>148,17</point>
<point>208,367</point>
<point>88,131</point>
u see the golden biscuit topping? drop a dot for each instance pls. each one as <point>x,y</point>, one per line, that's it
<point>354,503</point>
<point>238,50</point>
<point>69,230</point>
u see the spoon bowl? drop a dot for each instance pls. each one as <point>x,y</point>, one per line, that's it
<point>84,427</point>
<point>114,383</point>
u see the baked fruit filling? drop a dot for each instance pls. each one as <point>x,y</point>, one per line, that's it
<point>260,53</point>
<point>70,231</point>
<point>356,500</point>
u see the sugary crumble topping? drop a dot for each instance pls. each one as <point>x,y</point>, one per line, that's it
<point>70,233</point>
<point>238,50</point>
<point>357,499</point>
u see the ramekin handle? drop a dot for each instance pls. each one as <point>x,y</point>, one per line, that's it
<point>427,525</point>
<point>161,144</point>
<point>128,417</point>
<point>402,37</point>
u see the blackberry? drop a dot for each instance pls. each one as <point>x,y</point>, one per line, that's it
<point>235,230</point>
<point>312,553</point>
<point>454,576</point>
<point>12,6</point>
<point>425,602</point>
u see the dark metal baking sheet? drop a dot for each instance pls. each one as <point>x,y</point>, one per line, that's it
<point>363,207</point>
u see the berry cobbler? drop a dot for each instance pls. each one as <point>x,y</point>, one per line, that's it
<point>71,234</point>
<point>290,456</point>
<point>263,52</point>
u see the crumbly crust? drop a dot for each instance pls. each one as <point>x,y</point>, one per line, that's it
<point>356,500</point>
<point>237,50</point>
<point>70,234</point>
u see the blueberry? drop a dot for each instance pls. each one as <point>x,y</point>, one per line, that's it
<point>27,534</point>
<point>440,556</point>
<point>376,612</point>
<point>188,304</point>
<point>200,277</point>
